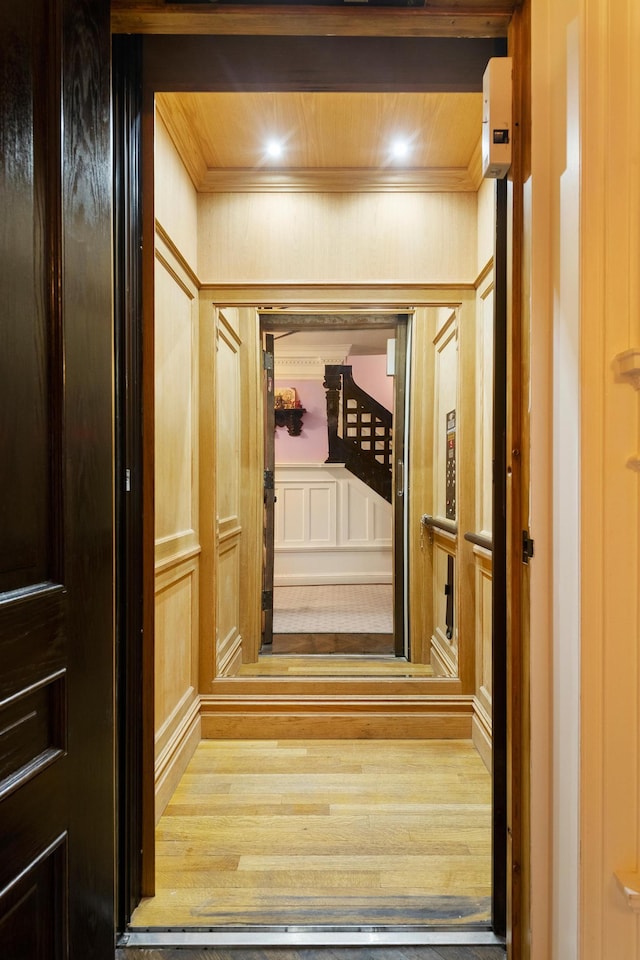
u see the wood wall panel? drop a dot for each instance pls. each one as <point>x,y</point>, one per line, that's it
<point>229,409</point>
<point>251,471</point>
<point>228,596</point>
<point>484,409</point>
<point>421,481</point>
<point>228,412</point>
<point>486,225</point>
<point>176,201</point>
<point>176,640</point>
<point>175,414</point>
<point>314,237</point>
<point>444,649</point>
<point>177,444</point>
<point>482,722</point>
<point>482,559</point>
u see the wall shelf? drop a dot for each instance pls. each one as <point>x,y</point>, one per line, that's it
<point>291,418</point>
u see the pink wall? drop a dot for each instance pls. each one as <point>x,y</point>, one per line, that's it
<point>312,444</point>
<point>370,373</point>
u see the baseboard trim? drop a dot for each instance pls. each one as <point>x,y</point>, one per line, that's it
<point>225,717</point>
<point>319,579</point>
<point>481,734</point>
<point>173,761</point>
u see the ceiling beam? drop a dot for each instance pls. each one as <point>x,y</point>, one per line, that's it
<point>482,18</point>
<point>281,63</point>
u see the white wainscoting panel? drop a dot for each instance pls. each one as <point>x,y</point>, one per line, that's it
<point>329,527</point>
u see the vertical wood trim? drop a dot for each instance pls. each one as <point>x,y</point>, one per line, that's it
<point>500,710</point>
<point>207,499</point>
<point>539,223</point>
<point>251,483</point>
<point>400,502</point>
<point>421,388</point>
<point>517,447</point>
<point>466,495</point>
<point>128,501</point>
<point>148,497</point>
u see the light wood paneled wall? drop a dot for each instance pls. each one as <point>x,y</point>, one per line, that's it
<point>176,201</point>
<point>228,413</point>
<point>315,237</point>
<point>251,483</point>
<point>177,521</point>
<point>482,558</point>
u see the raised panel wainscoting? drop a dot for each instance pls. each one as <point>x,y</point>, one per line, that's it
<point>329,528</point>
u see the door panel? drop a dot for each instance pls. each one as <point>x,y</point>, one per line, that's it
<point>269,492</point>
<point>228,382</point>
<point>399,490</point>
<point>56,490</point>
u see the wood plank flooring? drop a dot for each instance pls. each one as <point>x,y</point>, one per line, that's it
<point>356,832</point>
<point>331,666</point>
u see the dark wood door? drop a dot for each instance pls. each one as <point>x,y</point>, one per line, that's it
<point>56,489</point>
<point>269,492</point>
<point>400,498</point>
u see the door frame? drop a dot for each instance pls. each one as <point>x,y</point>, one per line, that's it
<point>354,318</point>
<point>515,782</point>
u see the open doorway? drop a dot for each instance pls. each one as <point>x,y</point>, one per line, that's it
<point>335,447</point>
<point>448,306</point>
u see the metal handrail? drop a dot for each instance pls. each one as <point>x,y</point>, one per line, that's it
<point>480,540</point>
<point>437,524</point>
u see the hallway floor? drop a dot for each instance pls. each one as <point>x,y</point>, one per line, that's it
<point>346,832</point>
<point>334,608</point>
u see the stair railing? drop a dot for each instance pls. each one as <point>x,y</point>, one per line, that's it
<point>360,430</point>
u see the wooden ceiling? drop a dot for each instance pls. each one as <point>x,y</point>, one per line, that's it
<point>332,141</point>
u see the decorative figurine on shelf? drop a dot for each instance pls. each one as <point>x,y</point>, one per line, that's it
<point>285,398</point>
<point>288,410</point>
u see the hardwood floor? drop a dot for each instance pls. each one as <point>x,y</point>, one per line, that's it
<point>319,953</point>
<point>351,644</point>
<point>331,666</point>
<point>357,832</point>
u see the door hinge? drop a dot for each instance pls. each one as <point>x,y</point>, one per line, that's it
<point>269,480</point>
<point>528,547</point>
<point>267,599</point>
<point>267,360</point>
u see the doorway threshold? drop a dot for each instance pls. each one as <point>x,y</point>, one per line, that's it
<point>309,936</point>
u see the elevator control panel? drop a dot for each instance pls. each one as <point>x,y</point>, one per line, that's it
<point>450,475</point>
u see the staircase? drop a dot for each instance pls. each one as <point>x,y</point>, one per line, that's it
<point>360,430</point>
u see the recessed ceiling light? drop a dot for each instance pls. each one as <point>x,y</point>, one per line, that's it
<point>400,149</point>
<point>274,149</point>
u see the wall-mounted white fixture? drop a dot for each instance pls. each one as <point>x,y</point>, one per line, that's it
<point>497,119</point>
<point>391,357</point>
